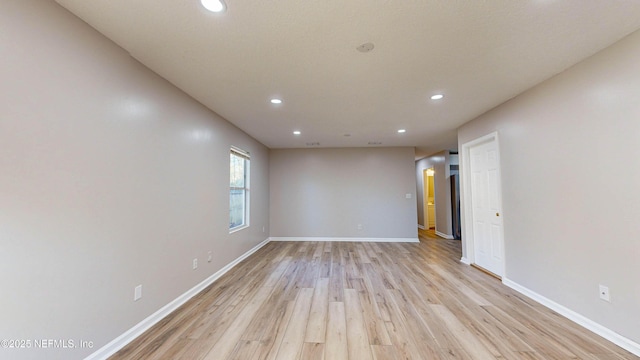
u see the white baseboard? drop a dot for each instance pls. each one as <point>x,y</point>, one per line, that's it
<point>581,320</point>
<point>130,335</point>
<point>465,261</point>
<point>340,239</point>
<point>421,227</point>
<point>443,235</point>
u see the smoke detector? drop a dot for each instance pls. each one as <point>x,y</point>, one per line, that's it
<point>365,48</point>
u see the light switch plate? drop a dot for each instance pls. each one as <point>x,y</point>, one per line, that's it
<point>137,293</point>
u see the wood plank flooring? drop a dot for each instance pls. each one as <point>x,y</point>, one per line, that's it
<point>323,300</point>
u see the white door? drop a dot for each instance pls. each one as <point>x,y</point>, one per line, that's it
<point>486,206</point>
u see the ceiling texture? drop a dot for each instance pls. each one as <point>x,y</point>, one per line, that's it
<point>478,53</point>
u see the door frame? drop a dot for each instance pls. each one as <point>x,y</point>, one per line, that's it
<point>425,197</point>
<point>466,218</point>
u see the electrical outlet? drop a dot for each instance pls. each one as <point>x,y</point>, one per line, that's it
<point>359,226</point>
<point>209,256</point>
<point>137,293</point>
<point>195,263</point>
<point>604,293</point>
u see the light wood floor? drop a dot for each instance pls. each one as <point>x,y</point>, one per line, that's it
<point>310,300</point>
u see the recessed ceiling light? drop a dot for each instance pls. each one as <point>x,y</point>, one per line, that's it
<point>437,97</point>
<point>213,5</point>
<point>276,101</point>
<point>297,132</point>
<point>402,131</point>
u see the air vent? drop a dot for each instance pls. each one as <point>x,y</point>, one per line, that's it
<point>313,144</point>
<point>375,143</point>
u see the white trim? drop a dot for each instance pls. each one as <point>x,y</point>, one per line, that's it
<point>443,235</point>
<point>581,320</point>
<point>238,228</point>
<point>240,152</point>
<point>131,334</point>
<point>338,239</point>
<point>465,261</point>
<point>421,227</point>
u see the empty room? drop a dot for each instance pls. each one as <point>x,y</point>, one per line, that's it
<point>223,179</point>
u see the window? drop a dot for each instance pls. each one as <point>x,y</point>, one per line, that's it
<point>238,189</point>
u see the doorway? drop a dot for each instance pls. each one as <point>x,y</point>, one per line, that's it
<point>429,199</point>
<point>482,206</point>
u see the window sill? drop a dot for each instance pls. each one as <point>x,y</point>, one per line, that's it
<point>236,229</point>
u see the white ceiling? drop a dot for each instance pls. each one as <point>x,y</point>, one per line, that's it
<point>478,53</point>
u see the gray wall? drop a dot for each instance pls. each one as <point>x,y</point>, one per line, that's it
<point>328,192</point>
<point>570,158</point>
<point>111,177</point>
<point>440,164</point>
